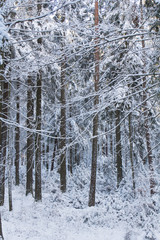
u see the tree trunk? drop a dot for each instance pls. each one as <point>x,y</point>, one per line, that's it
<point>10,182</point>
<point>146,111</point>
<point>63,115</point>
<point>30,142</point>
<point>1,159</point>
<point>4,129</point>
<point>17,139</point>
<point>10,150</point>
<point>54,153</point>
<point>38,191</point>
<point>118,148</point>
<point>77,155</point>
<point>63,129</point>
<point>131,150</point>
<point>47,153</point>
<point>1,232</point>
<point>95,119</point>
<point>70,161</point>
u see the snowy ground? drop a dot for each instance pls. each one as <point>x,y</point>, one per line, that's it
<point>59,217</point>
<point>45,221</point>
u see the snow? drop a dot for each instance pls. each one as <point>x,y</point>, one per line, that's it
<point>55,219</point>
<point>42,221</point>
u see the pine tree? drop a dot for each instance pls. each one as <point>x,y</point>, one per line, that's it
<point>38,187</point>
<point>95,119</point>
<point>1,233</point>
<point>30,141</point>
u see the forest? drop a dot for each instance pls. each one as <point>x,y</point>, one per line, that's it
<point>79,119</point>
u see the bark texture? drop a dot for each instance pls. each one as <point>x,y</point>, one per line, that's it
<point>118,148</point>
<point>30,144</point>
<point>4,129</point>
<point>63,130</point>
<point>38,191</point>
<point>17,139</point>
<point>95,119</point>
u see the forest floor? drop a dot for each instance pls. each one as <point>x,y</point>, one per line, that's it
<point>57,217</point>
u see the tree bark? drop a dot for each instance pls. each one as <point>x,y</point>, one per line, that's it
<point>63,115</point>
<point>47,153</point>
<point>1,232</point>
<point>4,129</point>
<point>131,150</point>
<point>54,153</point>
<point>95,119</point>
<point>63,129</point>
<point>10,182</point>
<point>118,148</point>
<point>17,139</point>
<point>146,111</point>
<point>70,161</point>
<point>38,191</point>
<point>30,143</point>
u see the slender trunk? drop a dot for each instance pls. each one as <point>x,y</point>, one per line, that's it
<point>111,136</point>
<point>10,150</point>
<point>77,155</point>
<point>1,232</point>
<point>146,111</point>
<point>54,153</point>
<point>63,114</point>
<point>118,148</point>
<point>47,153</point>
<point>70,161</point>
<point>70,164</point>
<point>95,119</point>
<point>63,130</point>
<point>38,191</point>
<point>30,142</point>
<point>44,153</point>
<point>10,182</point>
<point>4,129</point>
<point>17,139</point>
<point>1,159</point>
<point>131,150</point>
<point>106,143</point>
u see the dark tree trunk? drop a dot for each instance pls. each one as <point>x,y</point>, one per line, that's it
<point>146,111</point>
<point>1,159</point>
<point>63,130</point>
<point>63,115</point>
<point>30,142</point>
<point>77,155</point>
<point>4,129</point>
<point>118,148</point>
<point>47,153</point>
<point>17,139</point>
<point>131,150</point>
<point>70,161</point>
<point>54,153</point>
<point>105,144</point>
<point>10,182</point>
<point>1,232</point>
<point>95,119</point>
<point>38,191</point>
